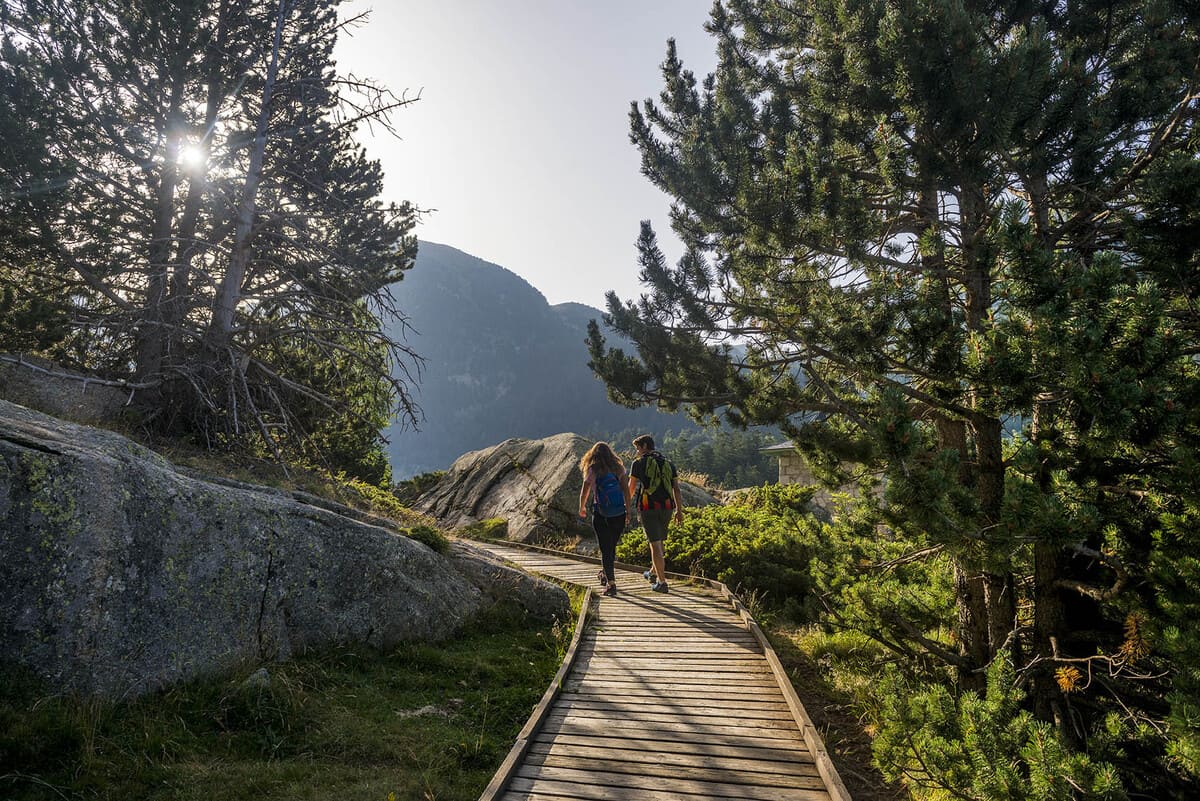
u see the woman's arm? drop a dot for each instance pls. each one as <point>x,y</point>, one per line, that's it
<point>584,493</point>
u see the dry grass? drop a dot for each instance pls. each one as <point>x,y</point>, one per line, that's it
<point>701,480</point>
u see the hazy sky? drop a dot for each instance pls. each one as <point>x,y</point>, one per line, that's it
<point>520,140</point>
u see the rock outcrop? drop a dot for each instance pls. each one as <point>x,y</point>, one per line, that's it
<point>533,484</point>
<point>119,574</point>
<point>59,392</point>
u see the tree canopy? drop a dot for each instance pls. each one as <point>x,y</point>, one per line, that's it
<point>186,210</point>
<point>956,242</point>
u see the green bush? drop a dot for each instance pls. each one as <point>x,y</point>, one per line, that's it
<point>494,528</point>
<point>761,545</point>
<point>381,502</point>
<point>375,499</point>
<point>428,535</point>
<point>984,748</point>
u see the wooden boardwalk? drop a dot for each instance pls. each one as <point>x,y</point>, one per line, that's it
<point>669,697</point>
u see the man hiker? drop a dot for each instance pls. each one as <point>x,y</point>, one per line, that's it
<point>654,481</point>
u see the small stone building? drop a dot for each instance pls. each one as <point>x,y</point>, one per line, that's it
<point>793,469</point>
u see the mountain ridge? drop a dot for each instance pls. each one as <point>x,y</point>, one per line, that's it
<point>500,362</point>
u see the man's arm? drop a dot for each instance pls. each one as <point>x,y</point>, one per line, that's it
<point>678,500</point>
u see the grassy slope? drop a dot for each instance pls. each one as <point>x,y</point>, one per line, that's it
<point>427,721</point>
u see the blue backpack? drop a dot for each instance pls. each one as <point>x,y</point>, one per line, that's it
<point>610,498</point>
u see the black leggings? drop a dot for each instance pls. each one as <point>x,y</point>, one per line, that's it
<point>608,534</point>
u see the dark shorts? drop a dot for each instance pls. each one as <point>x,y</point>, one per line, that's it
<point>655,521</point>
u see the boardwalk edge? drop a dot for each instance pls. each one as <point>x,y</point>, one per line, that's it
<point>512,761</point>
<point>812,737</point>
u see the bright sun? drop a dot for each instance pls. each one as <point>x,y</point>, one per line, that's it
<point>192,157</point>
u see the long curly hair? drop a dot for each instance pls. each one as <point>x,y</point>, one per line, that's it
<point>601,458</point>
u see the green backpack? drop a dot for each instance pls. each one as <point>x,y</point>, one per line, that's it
<point>660,476</point>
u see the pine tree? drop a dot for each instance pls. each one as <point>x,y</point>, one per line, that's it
<point>220,238</point>
<point>916,222</point>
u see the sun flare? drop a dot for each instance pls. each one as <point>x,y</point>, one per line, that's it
<point>192,157</point>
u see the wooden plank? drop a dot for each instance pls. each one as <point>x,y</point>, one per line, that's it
<point>669,791</point>
<point>728,664</point>
<point>743,737</point>
<point>665,604</point>
<point>730,705</point>
<point>667,622</point>
<point>665,689</point>
<point>651,761</point>
<point>619,680</point>
<point>677,661</point>
<point>639,711</point>
<point>581,722</point>
<point>772,750</point>
<point>646,631</point>
<point>716,667</point>
<point>693,647</point>
<point>682,778</point>
<point>667,628</point>
<point>667,638</point>
<point>653,646</point>
<point>617,673</point>
<point>666,714</point>
<point>752,732</point>
<point>541,796</point>
<point>607,648</point>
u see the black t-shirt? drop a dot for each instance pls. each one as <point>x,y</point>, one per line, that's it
<point>662,497</point>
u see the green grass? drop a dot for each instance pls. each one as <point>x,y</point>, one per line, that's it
<point>426,721</point>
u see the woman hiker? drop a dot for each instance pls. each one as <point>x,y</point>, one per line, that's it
<point>605,482</point>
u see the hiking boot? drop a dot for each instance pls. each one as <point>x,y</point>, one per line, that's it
<point>610,591</point>
<point>603,579</point>
<point>649,576</point>
<point>660,586</point>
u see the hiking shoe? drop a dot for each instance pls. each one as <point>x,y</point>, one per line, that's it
<point>610,591</point>
<point>603,579</point>
<point>660,586</point>
<point>649,576</point>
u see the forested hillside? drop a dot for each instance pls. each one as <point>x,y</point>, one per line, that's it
<point>499,362</point>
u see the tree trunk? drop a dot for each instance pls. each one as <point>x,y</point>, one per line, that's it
<point>970,587</point>
<point>972,627</point>
<point>987,432</point>
<point>179,290</point>
<point>1049,614</point>
<point>150,344</point>
<point>230,291</point>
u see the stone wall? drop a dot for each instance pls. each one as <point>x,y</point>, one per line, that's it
<point>794,470</point>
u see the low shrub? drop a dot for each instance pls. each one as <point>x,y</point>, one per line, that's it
<point>428,535</point>
<point>761,545</point>
<point>944,746</point>
<point>494,528</point>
